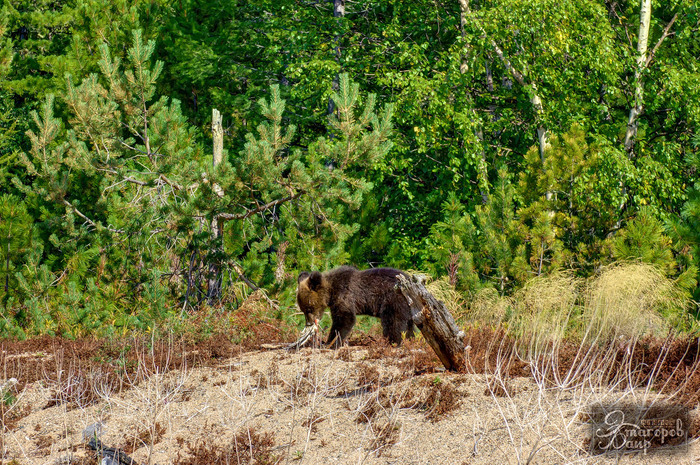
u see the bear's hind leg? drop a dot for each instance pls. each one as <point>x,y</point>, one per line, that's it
<point>397,323</point>
<point>391,328</point>
<point>407,321</point>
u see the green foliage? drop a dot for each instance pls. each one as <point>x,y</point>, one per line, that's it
<point>53,38</point>
<point>572,198</point>
<point>685,229</point>
<point>644,239</point>
<point>493,245</point>
<point>123,169</point>
<point>15,240</point>
<point>116,218</point>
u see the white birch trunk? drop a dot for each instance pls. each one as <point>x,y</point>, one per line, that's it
<point>463,11</point>
<point>636,110</point>
<point>536,101</point>
<point>338,12</point>
<point>542,138</point>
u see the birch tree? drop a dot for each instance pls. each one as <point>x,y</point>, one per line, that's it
<point>636,110</point>
<point>529,87</point>
<point>483,178</point>
<point>643,61</point>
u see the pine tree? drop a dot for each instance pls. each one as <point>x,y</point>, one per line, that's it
<point>125,168</point>
<point>272,194</point>
<point>685,230</point>
<point>15,239</point>
<point>643,239</point>
<point>452,244</point>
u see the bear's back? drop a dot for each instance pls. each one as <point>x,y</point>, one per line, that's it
<point>365,291</point>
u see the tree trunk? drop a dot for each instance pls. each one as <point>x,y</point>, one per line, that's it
<point>215,278</point>
<point>463,11</point>
<point>218,136</point>
<point>338,12</point>
<point>636,110</point>
<point>435,322</point>
<point>7,272</point>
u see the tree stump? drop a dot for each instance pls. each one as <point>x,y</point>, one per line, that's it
<point>435,322</point>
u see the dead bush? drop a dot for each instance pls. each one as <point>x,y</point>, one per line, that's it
<point>248,447</point>
<point>145,436</point>
<point>436,396</point>
<point>385,434</point>
<point>368,377</point>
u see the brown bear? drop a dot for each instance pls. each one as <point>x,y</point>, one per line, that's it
<point>348,292</point>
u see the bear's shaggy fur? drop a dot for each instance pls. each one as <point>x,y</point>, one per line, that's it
<point>348,292</point>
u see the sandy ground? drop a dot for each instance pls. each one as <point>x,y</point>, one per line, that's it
<point>320,407</point>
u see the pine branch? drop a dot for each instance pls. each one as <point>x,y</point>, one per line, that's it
<point>88,220</point>
<point>249,213</point>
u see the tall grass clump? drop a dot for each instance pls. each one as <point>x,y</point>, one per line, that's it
<point>632,300</point>
<point>541,312</point>
<point>488,308</point>
<point>627,300</point>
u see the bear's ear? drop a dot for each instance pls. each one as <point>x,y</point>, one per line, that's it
<point>302,275</point>
<point>315,280</point>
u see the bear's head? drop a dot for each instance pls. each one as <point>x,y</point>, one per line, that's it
<point>312,296</point>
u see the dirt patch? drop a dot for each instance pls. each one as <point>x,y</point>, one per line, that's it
<point>218,402</point>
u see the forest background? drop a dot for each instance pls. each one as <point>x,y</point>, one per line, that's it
<point>487,143</point>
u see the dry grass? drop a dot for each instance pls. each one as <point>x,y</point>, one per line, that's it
<point>319,405</point>
<point>445,292</point>
<point>630,300</point>
<point>488,308</point>
<point>377,398</point>
<point>434,396</point>
<point>542,310</point>
<point>153,389</point>
<point>624,301</point>
<point>583,343</point>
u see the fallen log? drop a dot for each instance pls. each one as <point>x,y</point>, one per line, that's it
<point>435,322</point>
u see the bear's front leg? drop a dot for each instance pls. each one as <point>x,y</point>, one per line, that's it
<point>340,329</point>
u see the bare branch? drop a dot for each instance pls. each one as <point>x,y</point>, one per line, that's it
<point>239,271</point>
<point>170,183</point>
<point>149,155</point>
<point>665,34</point>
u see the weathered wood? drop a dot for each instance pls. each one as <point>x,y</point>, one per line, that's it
<point>217,131</point>
<point>215,276</point>
<point>435,322</point>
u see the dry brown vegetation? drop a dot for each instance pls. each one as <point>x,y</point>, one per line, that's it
<point>524,397</point>
<point>375,384</point>
<point>248,447</point>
